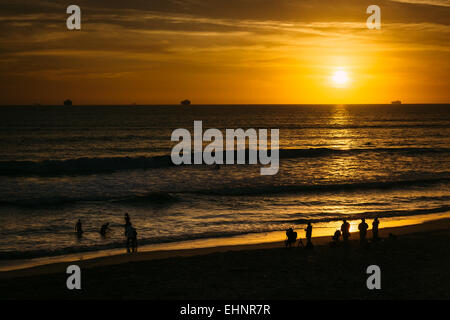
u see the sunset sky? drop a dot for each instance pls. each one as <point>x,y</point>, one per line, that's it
<point>224,51</point>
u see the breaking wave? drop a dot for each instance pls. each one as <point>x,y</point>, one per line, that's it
<point>87,166</point>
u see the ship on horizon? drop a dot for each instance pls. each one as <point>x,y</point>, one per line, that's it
<point>185,102</point>
<point>396,102</point>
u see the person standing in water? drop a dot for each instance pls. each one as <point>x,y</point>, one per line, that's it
<point>79,228</point>
<point>104,229</point>
<point>131,234</point>
<point>309,235</point>
<point>363,230</point>
<point>345,229</point>
<point>375,225</point>
<point>127,222</point>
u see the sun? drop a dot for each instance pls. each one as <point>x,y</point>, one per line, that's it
<point>340,77</point>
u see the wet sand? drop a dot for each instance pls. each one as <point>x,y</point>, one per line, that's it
<point>414,265</point>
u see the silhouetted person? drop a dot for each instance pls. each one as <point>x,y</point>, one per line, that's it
<point>127,222</point>
<point>291,237</point>
<point>375,225</point>
<point>134,239</point>
<point>128,232</point>
<point>309,235</point>
<point>79,228</point>
<point>345,229</point>
<point>363,230</point>
<point>131,234</point>
<point>104,229</point>
<point>336,237</point>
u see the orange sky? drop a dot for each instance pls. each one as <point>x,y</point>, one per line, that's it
<point>224,51</point>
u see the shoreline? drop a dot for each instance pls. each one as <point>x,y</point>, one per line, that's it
<point>414,265</point>
<point>117,257</point>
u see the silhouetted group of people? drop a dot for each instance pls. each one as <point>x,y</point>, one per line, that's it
<point>130,232</point>
<point>292,237</point>
<point>362,227</point>
<point>344,232</point>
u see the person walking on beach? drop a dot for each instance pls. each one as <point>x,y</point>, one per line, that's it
<point>363,230</point>
<point>375,225</point>
<point>128,234</point>
<point>345,229</point>
<point>309,235</point>
<point>134,244</point>
<point>79,228</point>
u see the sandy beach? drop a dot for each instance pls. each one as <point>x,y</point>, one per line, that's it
<point>414,265</point>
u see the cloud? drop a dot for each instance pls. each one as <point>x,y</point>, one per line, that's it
<point>124,39</point>
<point>444,3</point>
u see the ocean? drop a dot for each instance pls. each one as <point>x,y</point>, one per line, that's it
<point>96,163</point>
